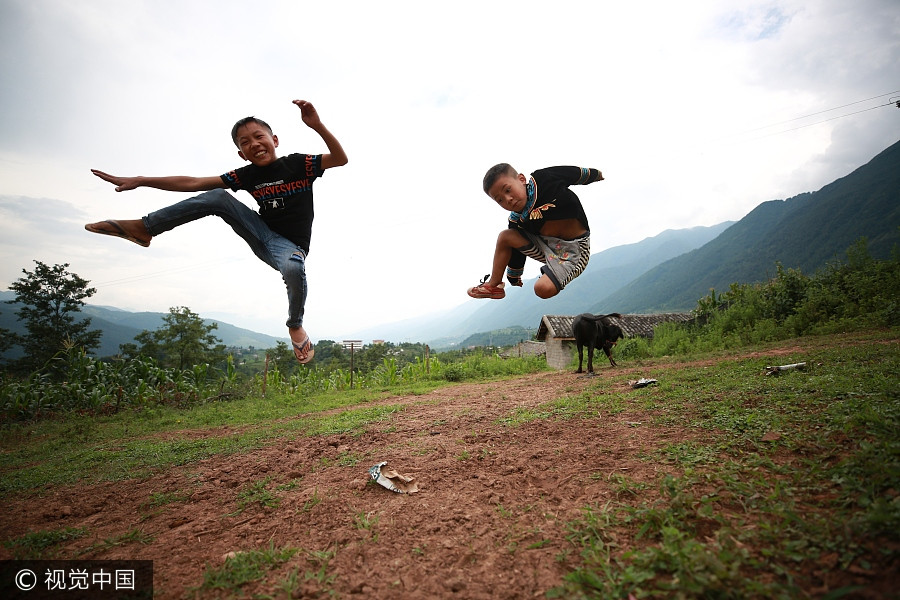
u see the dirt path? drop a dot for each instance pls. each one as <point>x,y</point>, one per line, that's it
<point>488,522</point>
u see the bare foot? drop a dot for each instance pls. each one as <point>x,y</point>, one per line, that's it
<point>132,230</point>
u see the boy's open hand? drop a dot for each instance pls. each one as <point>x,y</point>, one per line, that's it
<point>122,183</point>
<point>335,157</point>
<point>308,113</point>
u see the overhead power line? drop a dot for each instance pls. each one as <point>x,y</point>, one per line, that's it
<point>894,100</point>
<point>837,117</point>
<point>822,112</point>
<point>144,276</point>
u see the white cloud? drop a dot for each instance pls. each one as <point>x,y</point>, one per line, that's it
<point>689,109</point>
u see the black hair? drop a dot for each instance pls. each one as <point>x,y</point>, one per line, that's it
<point>245,121</point>
<point>494,173</point>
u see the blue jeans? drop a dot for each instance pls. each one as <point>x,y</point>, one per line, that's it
<point>273,249</point>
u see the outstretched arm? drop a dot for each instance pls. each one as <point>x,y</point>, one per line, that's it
<point>336,157</point>
<point>589,176</point>
<point>176,183</point>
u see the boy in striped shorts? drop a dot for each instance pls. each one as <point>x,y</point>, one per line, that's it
<point>546,223</point>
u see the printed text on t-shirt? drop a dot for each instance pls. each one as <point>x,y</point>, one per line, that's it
<point>267,190</point>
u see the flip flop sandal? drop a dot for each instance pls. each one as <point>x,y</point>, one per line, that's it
<point>305,346</point>
<point>482,290</point>
<point>117,231</point>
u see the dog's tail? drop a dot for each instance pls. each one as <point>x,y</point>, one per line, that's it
<point>601,317</point>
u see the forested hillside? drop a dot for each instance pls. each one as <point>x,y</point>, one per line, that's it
<point>803,232</point>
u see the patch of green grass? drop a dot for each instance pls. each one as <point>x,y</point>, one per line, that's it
<point>367,521</point>
<point>42,544</point>
<point>584,405</point>
<point>689,453</point>
<point>521,415</point>
<point>58,465</point>
<point>160,500</point>
<point>320,561</point>
<point>288,486</point>
<point>133,536</point>
<point>127,444</point>
<point>626,485</point>
<point>748,510</point>
<point>256,493</point>
<point>350,421</point>
<point>485,453</point>
<point>109,449</point>
<point>309,504</point>
<point>591,402</point>
<point>344,459</point>
<point>245,567</point>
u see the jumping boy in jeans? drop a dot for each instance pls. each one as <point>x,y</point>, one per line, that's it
<point>546,223</point>
<point>278,234</point>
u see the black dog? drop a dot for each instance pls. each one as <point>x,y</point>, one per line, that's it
<point>595,331</point>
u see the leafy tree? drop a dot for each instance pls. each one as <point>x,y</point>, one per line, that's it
<point>130,351</point>
<point>330,355</point>
<point>284,357</point>
<point>6,339</point>
<point>51,297</point>
<point>371,356</point>
<point>185,340</point>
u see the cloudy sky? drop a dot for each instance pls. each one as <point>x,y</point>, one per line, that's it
<point>696,112</point>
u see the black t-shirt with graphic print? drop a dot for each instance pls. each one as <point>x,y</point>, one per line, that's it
<point>284,192</point>
<point>550,199</point>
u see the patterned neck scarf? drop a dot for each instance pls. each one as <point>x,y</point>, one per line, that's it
<point>531,189</point>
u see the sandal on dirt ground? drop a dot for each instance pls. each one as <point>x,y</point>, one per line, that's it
<point>483,290</point>
<point>116,231</point>
<point>304,346</point>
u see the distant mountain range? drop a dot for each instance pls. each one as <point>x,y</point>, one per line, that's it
<point>804,232</point>
<point>120,327</point>
<point>664,273</point>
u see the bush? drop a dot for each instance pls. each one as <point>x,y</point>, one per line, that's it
<point>453,372</point>
<point>851,295</point>
<point>75,381</point>
<point>633,348</point>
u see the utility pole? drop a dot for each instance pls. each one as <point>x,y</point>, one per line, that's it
<point>352,345</point>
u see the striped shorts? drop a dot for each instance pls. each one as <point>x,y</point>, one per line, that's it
<point>564,260</point>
